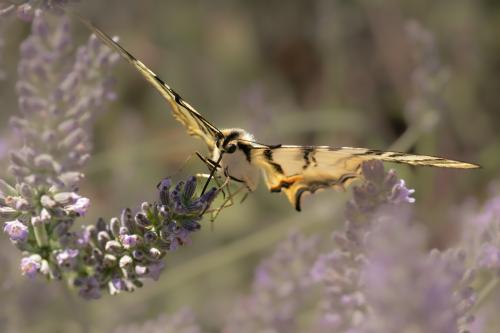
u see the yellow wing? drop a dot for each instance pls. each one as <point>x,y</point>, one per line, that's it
<point>298,169</point>
<point>195,124</point>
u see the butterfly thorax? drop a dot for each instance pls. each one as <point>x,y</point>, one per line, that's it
<point>236,161</point>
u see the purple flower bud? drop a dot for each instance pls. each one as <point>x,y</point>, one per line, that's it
<point>209,196</point>
<point>142,220</point>
<point>164,184</point>
<point>150,236</point>
<point>45,215</point>
<point>65,198</point>
<point>30,265</point>
<point>113,246</point>
<point>67,258</point>
<point>401,194</point>
<point>489,256</point>
<point>189,188</point>
<point>141,270</point>
<point>191,225</point>
<point>16,230</point>
<point>36,221</point>
<point>116,285</point>
<point>125,261</point>
<point>19,203</point>
<point>154,270</point>
<point>90,288</point>
<point>80,206</point>
<point>83,236</point>
<point>129,241</point>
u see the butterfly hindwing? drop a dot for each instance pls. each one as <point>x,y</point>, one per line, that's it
<point>195,124</point>
<point>295,170</point>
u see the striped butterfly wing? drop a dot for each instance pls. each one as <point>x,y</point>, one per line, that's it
<point>299,169</point>
<point>194,123</point>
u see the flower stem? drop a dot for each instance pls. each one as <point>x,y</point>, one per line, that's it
<point>485,292</point>
<point>41,236</point>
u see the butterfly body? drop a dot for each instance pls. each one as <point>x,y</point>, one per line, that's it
<point>292,170</point>
<point>236,161</point>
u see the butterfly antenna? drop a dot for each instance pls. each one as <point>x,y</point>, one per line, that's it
<point>217,164</point>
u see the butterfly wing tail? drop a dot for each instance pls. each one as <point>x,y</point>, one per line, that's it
<point>419,160</point>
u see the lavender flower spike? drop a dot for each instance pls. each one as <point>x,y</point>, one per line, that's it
<point>406,289</point>
<point>343,305</point>
<point>58,99</point>
<point>26,11</point>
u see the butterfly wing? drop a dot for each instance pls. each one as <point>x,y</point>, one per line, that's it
<point>195,124</point>
<point>299,169</point>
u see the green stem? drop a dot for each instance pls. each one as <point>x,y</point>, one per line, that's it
<point>42,239</point>
<point>485,293</point>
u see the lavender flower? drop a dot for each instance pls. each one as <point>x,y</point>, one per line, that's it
<point>16,230</point>
<point>67,258</point>
<point>405,288</point>
<point>485,226</point>
<point>3,75</point>
<point>343,306</point>
<point>80,206</point>
<point>58,99</point>
<point>31,265</point>
<point>120,254</point>
<point>89,288</point>
<point>26,11</point>
<point>281,289</point>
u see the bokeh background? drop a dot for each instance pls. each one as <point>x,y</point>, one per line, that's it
<point>417,76</point>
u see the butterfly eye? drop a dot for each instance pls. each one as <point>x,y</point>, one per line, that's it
<point>231,148</point>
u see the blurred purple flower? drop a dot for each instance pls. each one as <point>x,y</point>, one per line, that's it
<point>401,194</point>
<point>89,288</point>
<point>481,233</point>
<point>154,270</point>
<point>58,98</point>
<point>80,207</point>
<point>83,237</point>
<point>3,143</point>
<point>282,289</point>
<point>489,256</point>
<point>31,265</point>
<point>129,241</point>
<point>119,284</point>
<point>26,11</point>
<point>343,303</point>
<point>16,230</point>
<point>405,288</point>
<point>67,258</point>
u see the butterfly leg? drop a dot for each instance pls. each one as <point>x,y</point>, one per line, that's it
<point>220,186</point>
<point>229,201</point>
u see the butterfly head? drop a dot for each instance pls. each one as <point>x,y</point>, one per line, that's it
<point>228,144</point>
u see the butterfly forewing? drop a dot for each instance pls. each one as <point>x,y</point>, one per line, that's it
<point>195,124</point>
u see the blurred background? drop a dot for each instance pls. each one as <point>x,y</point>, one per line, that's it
<point>416,76</point>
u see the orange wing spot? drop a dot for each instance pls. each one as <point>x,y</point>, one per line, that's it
<point>286,183</point>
